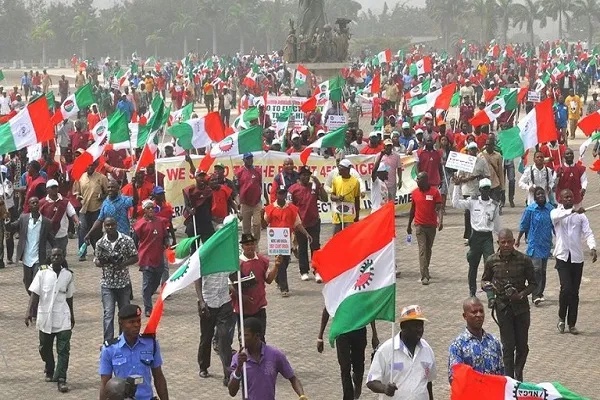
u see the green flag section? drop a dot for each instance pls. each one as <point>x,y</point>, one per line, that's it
<point>250,114</point>
<point>283,121</point>
<point>82,98</point>
<point>418,90</point>
<point>594,138</point>
<point>31,125</point>
<point>246,141</point>
<point>558,71</point>
<point>536,127</point>
<point>330,89</point>
<point>154,123</point>
<point>379,124</point>
<point>51,100</point>
<point>468,384</point>
<point>495,109</point>
<point>197,133</point>
<point>439,99</point>
<point>183,114</point>
<point>455,101</point>
<point>360,285</point>
<point>184,248</point>
<point>118,127</point>
<point>335,138</point>
<point>1,75</point>
<point>220,253</point>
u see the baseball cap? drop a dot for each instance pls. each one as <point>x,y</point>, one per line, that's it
<point>130,311</point>
<point>158,190</point>
<point>485,182</point>
<point>345,163</point>
<point>405,125</point>
<point>304,170</point>
<point>200,172</point>
<point>51,183</point>
<point>295,136</point>
<point>383,168</point>
<point>472,145</point>
<point>220,165</point>
<point>247,155</point>
<point>147,203</point>
<point>373,134</point>
<point>388,142</point>
<point>419,130</point>
<point>412,313</point>
<point>427,116</point>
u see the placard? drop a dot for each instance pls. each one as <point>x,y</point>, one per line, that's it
<point>533,96</point>
<point>279,242</point>
<point>461,162</point>
<point>335,121</point>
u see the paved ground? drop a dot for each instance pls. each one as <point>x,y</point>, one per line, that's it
<point>293,325</point>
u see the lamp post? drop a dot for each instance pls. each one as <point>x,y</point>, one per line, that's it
<point>198,47</point>
<point>83,48</point>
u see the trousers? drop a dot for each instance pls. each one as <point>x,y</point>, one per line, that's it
<point>514,332</point>
<point>351,357</point>
<point>539,267</point>
<point>251,219</point>
<point>58,370</point>
<point>282,279</point>
<point>303,246</point>
<point>221,318</point>
<point>119,296</point>
<point>425,237</point>
<point>151,277</point>
<point>481,244</point>
<point>569,275</point>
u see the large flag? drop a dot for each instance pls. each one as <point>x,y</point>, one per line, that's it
<point>118,127</point>
<point>536,127</point>
<point>29,126</point>
<point>558,71</point>
<point>83,97</point>
<point>283,120</point>
<point>421,88</point>
<point>301,75</point>
<point>155,122</point>
<point>330,89</point>
<point>246,141</point>
<point>440,99</point>
<point>199,132</point>
<point>494,51</point>
<point>384,57</point>
<point>250,79</point>
<point>148,153</point>
<point>183,114</point>
<point>375,84</point>
<point>590,123</point>
<point>420,67</point>
<point>220,253</point>
<point>92,153</point>
<point>494,110</point>
<point>335,138</point>
<point>468,384</point>
<point>360,285</point>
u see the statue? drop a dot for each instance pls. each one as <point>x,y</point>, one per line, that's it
<point>342,38</point>
<point>291,45</point>
<point>311,16</point>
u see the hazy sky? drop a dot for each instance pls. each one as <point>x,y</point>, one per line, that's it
<point>372,4</point>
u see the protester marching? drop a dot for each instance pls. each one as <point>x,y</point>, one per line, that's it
<point>260,182</point>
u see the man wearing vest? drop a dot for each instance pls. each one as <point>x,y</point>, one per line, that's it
<point>58,210</point>
<point>537,175</point>
<point>573,177</point>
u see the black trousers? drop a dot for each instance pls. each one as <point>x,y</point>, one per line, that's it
<point>351,348</point>
<point>467,232</point>
<point>569,275</point>
<point>514,332</point>
<point>282,279</point>
<point>261,315</point>
<point>303,246</point>
<point>222,319</point>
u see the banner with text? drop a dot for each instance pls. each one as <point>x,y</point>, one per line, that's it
<point>178,176</point>
<point>277,105</point>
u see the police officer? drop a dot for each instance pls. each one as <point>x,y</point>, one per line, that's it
<point>133,354</point>
<point>508,277</point>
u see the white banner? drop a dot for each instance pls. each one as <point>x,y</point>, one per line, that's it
<point>461,162</point>
<point>278,104</point>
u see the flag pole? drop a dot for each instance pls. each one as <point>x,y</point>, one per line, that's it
<point>241,309</point>
<point>392,359</point>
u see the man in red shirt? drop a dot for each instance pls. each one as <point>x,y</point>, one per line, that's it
<point>152,239</point>
<point>144,190</point>
<point>93,117</point>
<point>426,212</point>
<point>223,203</point>
<point>305,193</point>
<point>554,154</point>
<point>297,145</point>
<point>430,162</point>
<point>79,138</point>
<point>375,146</point>
<point>282,214</point>
<point>249,183</point>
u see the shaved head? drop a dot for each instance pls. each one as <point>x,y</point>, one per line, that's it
<point>470,301</point>
<point>505,233</point>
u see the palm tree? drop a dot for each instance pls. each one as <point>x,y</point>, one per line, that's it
<point>446,13</point>
<point>210,11</point>
<point>120,27</point>
<point>155,39</point>
<point>479,8</point>
<point>42,33</point>
<point>185,23</point>
<point>559,10</point>
<point>505,9</point>
<point>590,11</point>
<point>84,25</point>
<point>527,14</point>
<point>241,17</point>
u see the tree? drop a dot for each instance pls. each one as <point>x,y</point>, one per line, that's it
<point>121,27</point>
<point>589,10</point>
<point>559,10</point>
<point>447,13</point>
<point>241,17</point>
<point>154,40</point>
<point>210,11</point>
<point>505,9</point>
<point>479,10</point>
<point>42,33</point>
<point>527,14</point>
<point>185,23</point>
<point>83,27</point>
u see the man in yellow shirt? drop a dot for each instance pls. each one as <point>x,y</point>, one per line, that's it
<point>575,107</point>
<point>149,83</point>
<point>345,197</point>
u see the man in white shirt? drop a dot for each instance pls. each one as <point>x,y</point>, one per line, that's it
<point>412,359</point>
<point>58,210</point>
<point>4,104</point>
<point>571,227</point>
<point>226,106</point>
<point>52,293</point>
<point>537,175</point>
<point>379,190</point>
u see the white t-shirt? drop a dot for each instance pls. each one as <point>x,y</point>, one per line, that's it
<point>379,194</point>
<point>4,105</point>
<point>411,374</point>
<point>53,311</point>
<point>64,222</point>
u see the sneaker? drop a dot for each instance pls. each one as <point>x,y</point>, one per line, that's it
<point>285,294</point>
<point>62,386</point>
<point>82,258</point>
<point>491,303</point>
<point>560,326</point>
<point>9,262</point>
<point>425,281</point>
<point>542,299</point>
<point>49,378</point>
<point>466,242</point>
<point>573,330</point>
<point>304,277</point>
<point>318,278</point>
<point>537,301</point>
<point>203,374</point>
<point>148,313</point>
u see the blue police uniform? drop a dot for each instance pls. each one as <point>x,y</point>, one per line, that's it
<point>119,359</point>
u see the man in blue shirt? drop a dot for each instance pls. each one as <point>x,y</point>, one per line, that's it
<point>475,347</point>
<point>116,205</point>
<point>126,106</point>
<point>537,226</point>
<point>561,114</point>
<point>133,354</point>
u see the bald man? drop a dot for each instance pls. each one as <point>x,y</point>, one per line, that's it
<point>474,346</point>
<point>115,389</point>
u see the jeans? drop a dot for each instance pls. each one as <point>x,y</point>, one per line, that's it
<point>151,277</point>
<point>425,237</point>
<point>569,275</point>
<point>222,319</point>
<point>539,268</point>
<point>109,297</point>
<point>251,219</point>
<point>87,221</point>
<point>303,246</point>
<point>514,331</point>
<point>509,174</point>
<point>281,279</point>
<point>351,348</point>
<point>480,244</point>
<point>57,371</point>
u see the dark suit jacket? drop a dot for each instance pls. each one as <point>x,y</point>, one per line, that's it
<point>46,236</point>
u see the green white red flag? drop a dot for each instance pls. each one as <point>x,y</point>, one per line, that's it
<point>29,126</point>
<point>83,97</point>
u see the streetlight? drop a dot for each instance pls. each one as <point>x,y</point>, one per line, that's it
<point>198,47</point>
<point>83,47</point>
